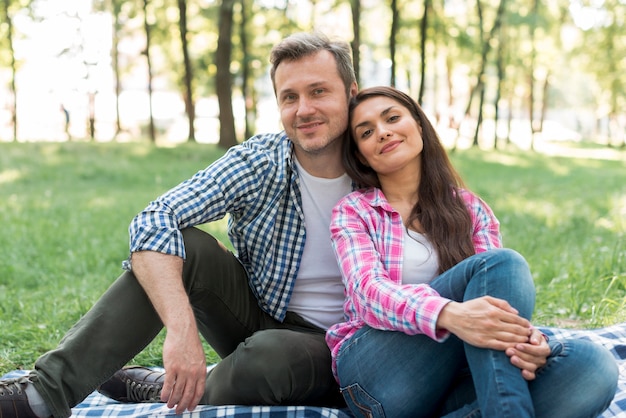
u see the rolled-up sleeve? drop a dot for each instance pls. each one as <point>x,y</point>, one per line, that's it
<point>198,200</point>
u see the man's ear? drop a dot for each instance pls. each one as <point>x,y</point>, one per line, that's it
<point>354,89</point>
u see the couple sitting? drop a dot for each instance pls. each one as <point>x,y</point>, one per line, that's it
<point>435,318</point>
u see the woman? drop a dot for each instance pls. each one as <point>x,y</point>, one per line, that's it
<point>437,313</point>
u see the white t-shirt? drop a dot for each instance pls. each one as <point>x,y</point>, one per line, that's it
<point>318,294</point>
<point>420,262</point>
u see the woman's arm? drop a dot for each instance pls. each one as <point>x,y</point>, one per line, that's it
<point>371,269</point>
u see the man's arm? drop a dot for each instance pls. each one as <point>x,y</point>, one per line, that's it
<point>184,360</point>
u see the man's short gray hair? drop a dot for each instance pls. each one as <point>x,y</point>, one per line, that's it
<point>300,45</point>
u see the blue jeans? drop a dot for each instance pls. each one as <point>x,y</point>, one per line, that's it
<point>391,374</point>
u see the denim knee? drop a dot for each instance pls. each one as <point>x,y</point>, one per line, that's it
<point>562,386</point>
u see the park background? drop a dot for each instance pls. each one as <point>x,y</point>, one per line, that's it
<point>528,97</point>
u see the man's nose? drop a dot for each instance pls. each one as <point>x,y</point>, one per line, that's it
<point>305,107</point>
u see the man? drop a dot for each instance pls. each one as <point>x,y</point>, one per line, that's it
<point>267,326</point>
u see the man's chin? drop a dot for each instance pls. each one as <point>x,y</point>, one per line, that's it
<point>315,146</point>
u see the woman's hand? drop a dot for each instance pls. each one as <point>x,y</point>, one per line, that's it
<point>530,356</point>
<point>486,322</point>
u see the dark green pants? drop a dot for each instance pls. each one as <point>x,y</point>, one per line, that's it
<point>264,362</point>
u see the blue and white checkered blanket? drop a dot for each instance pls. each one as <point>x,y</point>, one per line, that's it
<point>96,405</point>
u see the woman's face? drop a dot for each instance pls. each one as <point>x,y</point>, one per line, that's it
<point>386,134</point>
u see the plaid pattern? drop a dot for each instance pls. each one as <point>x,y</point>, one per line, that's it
<point>613,338</point>
<point>368,238</point>
<point>96,405</point>
<point>257,185</point>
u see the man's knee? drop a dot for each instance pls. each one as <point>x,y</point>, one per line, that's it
<point>200,242</point>
<point>273,367</point>
<point>276,353</point>
<point>207,257</point>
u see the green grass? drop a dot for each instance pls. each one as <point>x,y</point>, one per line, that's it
<point>65,210</point>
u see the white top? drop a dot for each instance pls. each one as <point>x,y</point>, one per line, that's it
<point>318,294</point>
<point>420,262</point>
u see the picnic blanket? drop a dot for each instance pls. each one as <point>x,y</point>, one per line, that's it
<point>96,405</point>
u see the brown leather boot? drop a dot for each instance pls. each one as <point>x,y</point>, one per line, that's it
<point>134,384</point>
<point>13,399</point>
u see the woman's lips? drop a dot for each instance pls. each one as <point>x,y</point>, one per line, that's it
<point>390,146</point>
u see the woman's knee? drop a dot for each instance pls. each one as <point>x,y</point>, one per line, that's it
<point>600,367</point>
<point>563,383</point>
<point>507,257</point>
<point>503,273</point>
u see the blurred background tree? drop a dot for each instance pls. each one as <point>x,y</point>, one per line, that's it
<point>489,72</point>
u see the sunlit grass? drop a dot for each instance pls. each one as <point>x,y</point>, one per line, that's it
<point>568,218</point>
<point>65,210</point>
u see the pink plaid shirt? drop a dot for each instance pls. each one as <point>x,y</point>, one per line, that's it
<point>368,237</point>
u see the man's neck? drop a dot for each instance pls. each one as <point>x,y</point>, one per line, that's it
<point>322,165</point>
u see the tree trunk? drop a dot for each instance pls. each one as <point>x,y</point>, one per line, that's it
<point>500,83</point>
<point>452,123</point>
<point>509,122</point>
<point>544,101</point>
<point>479,119</point>
<point>151,129</point>
<point>531,75</point>
<point>223,79</point>
<point>423,39</point>
<point>247,87</point>
<point>115,58</point>
<point>188,73</point>
<point>486,48</point>
<point>356,41</point>
<point>13,68</point>
<point>392,41</point>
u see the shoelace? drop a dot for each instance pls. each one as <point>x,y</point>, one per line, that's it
<point>11,386</point>
<point>143,393</point>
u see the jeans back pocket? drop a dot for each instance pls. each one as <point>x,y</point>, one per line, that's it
<point>361,403</point>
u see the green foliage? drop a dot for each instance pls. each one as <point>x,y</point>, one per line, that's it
<point>65,209</point>
<point>64,212</point>
<point>568,218</point>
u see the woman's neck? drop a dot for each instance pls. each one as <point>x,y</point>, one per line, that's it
<point>402,194</point>
<point>400,186</point>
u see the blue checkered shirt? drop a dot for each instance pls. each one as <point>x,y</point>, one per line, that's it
<point>256,183</point>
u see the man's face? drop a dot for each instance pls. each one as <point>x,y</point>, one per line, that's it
<point>312,102</point>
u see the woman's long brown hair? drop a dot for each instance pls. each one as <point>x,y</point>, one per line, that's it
<point>440,209</point>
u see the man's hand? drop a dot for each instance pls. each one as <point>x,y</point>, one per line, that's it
<point>530,356</point>
<point>160,275</point>
<point>485,322</point>
<point>185,367</point>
